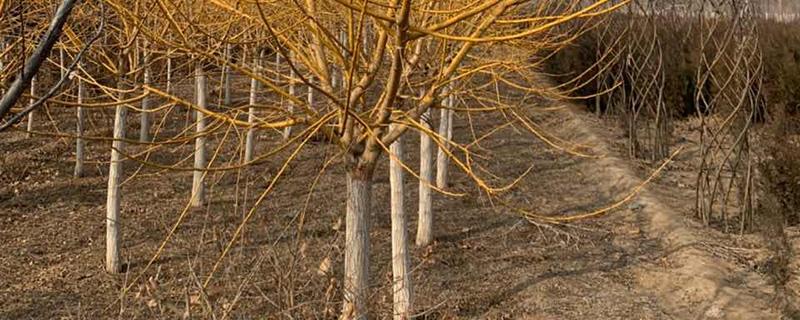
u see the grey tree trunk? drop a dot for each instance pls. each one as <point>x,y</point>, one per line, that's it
<point>79,142</point>
<point>2,59</point>
<point>144,116</point>
<point>446,132</point>
<point>356,253</point>
<point>366,38</point>
<point>113,264</point>
<point>227,77</point>
<point>425,221</point>
<point>338,75</point>
<point>277,67</point>
<point>251,113</point>
<point>401,285</point>
<point>288,131</point>
<point>61,64</point>
<point>169,75</point>
<point>29,128</point>
<point>198,188</point>
<point>310,97</point>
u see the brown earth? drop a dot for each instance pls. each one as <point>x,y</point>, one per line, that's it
<point>648,260</point>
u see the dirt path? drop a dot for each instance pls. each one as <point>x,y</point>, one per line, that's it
<point>690,278</point>
<point>646,261</point>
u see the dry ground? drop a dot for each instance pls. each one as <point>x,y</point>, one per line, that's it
<point>647,260</point>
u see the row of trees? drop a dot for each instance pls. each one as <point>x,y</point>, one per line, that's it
<point>371,73</point>
<point>653,62</point>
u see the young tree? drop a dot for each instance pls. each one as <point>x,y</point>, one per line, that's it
<point>251,111</point>
<point>198,186</point>
<point>369,114</point>
<point>113,196</point>
<point>144,116</point>
<point>80,142</point>
<point>29,128</point>
<point>226,78</point>
<point>446,133</point>
<point>401,268</point>
<point>426,179</point>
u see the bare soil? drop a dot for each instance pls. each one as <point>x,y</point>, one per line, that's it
<point>648,260</point>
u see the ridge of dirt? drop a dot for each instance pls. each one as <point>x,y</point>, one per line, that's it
<point>695,283</point>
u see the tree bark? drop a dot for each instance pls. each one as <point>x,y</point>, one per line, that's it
<point>356,254</point>
<point>251,113</point>
<point>198,188</point>
<point>401,280</point>
<point>113,264</point>
<point>29,128</point>
<point>2,60</point>
<point>227,75</point>
<point>169,75</point>
<point>446,132</point>
<point>79,142</point>
<point>277,66</point>
<point>338,74</point>
<point>310,96</point>
<point>144,116</point>
<point>425,222</point>
<point>61,64</point>
<point>287,132</point>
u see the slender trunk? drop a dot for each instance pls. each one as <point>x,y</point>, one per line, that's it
<point>446,132</point>
<point>32,101</point>
<point>401,280</point>
<point>356,253</point>
<point>251,114</point>
<point>79,142</point>
<point>198,189</point>
<point>61,64</point>
<point>169,75</point>
<point>310,96</point>
<point>144,120</point>
<point>365,38</point>
<point>425,222</point>
<point>338,74</point>
<point>113,264</point>
<point>227,76</point>
<point>2,59</point>
<point>288,131</point>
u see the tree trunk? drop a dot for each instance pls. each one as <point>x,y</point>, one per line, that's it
<point>169,75</point>
<point>144,120</point>
<point>198,189</point>
<point>113,264</point>
<point>401,280</point>
<point>446,132</point>
<point>2,61</point>
<point>310,97</point>
<point>356,252</point>
<point>365,38</point>
<point>277,67</point>
<point>251,113</point>
<point>288,131</point>
<point>79,142</point>
<point>425,222</point>
<point>227,77</point>
<point>338,74</point>
<point>32,101</point>
<point>62,66</point>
